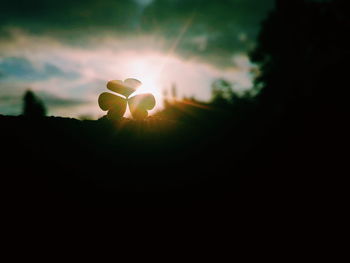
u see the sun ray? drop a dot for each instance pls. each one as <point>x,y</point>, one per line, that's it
<point>177,41</point>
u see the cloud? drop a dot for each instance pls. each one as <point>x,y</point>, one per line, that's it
<point>56,101</point>
<point>218,24</point>
<point>81,73</point>
<point>40,15</point>
<point>22,69</point>
<point>70,49</point>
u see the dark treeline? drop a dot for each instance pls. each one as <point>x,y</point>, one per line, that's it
<point>236,149</point>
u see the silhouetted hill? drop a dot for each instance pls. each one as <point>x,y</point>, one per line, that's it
<point>96,161</point>
<point>204,160</point>
<point>193,155</point>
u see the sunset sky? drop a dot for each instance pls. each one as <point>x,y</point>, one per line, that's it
<point>66,51</point>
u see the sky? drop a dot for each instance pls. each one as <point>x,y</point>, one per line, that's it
<point>66,51</point>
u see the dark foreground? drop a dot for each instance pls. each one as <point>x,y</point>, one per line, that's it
<point>66,163</point>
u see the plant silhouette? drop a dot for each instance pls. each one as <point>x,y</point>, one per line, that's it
<point>116,104</point>
<point>33,106</point>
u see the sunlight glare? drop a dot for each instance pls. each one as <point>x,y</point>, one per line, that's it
<point>148,74</point>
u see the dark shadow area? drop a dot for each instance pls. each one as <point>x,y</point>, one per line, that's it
<point>236,151</point>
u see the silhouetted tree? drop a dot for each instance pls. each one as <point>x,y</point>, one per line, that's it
<point>221,92</point>
<point>33,106</point>
<point>300,43</point>
<point>303,52</point>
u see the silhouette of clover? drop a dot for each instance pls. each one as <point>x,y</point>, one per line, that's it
<point>139,105</point>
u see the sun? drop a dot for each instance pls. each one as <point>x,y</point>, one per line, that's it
<point>150,85</point>
<point>148,74</point>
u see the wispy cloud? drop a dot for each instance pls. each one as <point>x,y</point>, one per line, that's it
<point>47,64</point>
